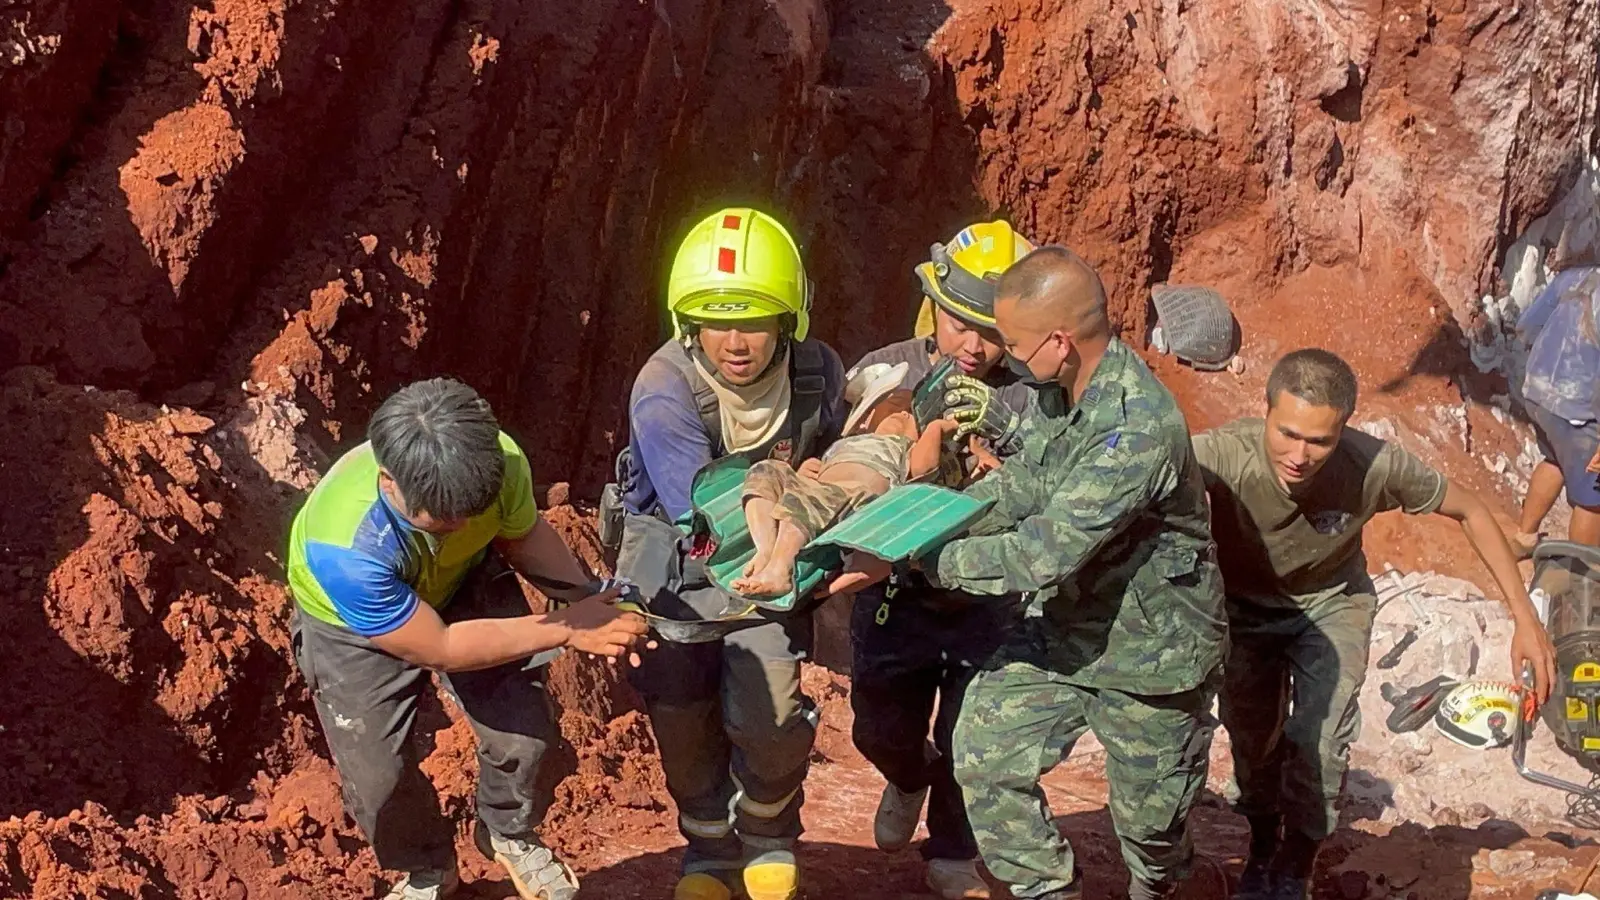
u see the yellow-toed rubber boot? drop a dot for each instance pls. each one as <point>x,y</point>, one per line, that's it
<point>772,876</point>
<point>701,886</point>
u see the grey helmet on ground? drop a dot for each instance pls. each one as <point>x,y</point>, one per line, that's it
<point>1196,324</point>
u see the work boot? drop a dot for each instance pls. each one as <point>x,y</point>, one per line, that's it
<point>956,879</point>
<point>1296,857</point>
<point>772,876</point>
<point>1256,883</point>
<point>898,815</point>
<point>534,870</point>
<point>1139,890</point>
<point>1293,865</point>
<point>434,884</point>
<point>702,886</point>
<point>1073,891</point>
<point>1258,878</point>
<point>1288,887</point>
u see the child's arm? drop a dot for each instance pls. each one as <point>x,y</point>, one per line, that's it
<point>925,452</point>
<point>986,462</point>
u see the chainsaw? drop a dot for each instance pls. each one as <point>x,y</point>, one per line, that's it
<point>1567,577</point>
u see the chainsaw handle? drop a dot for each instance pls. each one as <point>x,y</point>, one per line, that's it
<point>1530,694</point>
<point>1392,658</point>
<point>1412,708</point>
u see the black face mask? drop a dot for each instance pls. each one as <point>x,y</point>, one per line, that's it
<point>1019,368</point>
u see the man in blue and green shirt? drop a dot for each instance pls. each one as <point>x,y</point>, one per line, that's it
<point>401,562</point>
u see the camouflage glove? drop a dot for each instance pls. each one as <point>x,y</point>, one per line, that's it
<point>978,410</point>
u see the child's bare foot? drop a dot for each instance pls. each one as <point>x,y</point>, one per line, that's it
<point>772,581</point>
<point>757,563</point>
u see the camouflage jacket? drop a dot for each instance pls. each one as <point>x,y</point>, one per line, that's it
<point>1102,521</point>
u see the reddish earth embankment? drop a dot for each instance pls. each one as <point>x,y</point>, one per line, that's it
<point>228,227</point>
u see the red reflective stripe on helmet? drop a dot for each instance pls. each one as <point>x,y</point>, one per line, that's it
<point>726,257</point>
<point>731,223</point>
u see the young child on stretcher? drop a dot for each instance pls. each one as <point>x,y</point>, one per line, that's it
<point>881,449</point>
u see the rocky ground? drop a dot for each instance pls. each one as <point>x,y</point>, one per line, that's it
<point>228,227</point>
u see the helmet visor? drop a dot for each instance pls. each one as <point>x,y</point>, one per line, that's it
<point>732,306</point>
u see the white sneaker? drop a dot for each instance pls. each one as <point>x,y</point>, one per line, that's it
<point>535,872</point>
<point>898,815</point>
<point>957,879</point>
<point>429,885</point>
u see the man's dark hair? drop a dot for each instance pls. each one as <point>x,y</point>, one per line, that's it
<point>1054,274</point>
<point>1316,376</point>
<point>440,442</point>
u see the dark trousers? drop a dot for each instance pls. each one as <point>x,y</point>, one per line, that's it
<point>735,734</point>
<point>367,700</point>
<point>1293,763</point>
<point>907,658</point>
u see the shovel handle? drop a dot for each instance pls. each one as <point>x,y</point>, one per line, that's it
<point>1392,658</point>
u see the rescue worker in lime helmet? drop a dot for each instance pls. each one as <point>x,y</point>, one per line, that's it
<point>916,647</point>
<point>739,376</point>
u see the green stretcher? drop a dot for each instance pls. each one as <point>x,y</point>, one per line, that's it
<point>905,523</point>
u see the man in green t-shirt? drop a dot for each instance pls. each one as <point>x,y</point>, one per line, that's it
<point>398,563</point>
<point>1290,495</point>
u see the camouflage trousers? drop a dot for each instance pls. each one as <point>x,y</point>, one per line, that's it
<point>1293,763</point>
<point>1021,719</point>
<point>811,505</point>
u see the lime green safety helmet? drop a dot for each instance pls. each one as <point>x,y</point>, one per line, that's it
<point>738,264</point>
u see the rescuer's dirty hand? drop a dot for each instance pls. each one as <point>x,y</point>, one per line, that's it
<point>600,626</point>
<point>1530,645</point>
<point>862,570</point>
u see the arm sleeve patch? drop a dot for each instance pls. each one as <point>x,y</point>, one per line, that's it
<point>368,595</point>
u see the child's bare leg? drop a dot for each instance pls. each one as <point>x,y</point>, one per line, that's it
<point>764,486</point>
<point>776,577</point>
<point>763,531</point>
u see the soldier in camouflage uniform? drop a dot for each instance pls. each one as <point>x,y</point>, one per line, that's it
<point>1100,522</point>
<point>1290,495</point>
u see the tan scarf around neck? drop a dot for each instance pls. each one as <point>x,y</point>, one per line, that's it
<point>754,413</point>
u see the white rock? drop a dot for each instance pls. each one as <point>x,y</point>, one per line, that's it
<point>1511,863</point>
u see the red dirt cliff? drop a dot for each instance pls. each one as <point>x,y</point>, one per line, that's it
<point>227,228</point>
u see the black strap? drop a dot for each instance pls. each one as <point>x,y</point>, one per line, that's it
<point>547,585</point>
<point>808,367</point>
<point>808,387</point>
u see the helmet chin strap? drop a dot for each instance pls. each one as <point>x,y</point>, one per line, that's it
<point>691,342</point>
